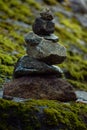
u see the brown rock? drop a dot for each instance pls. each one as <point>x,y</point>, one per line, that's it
<point>29,66</point>
<point>40,87</point>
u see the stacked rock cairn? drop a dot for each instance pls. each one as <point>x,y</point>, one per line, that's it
<point>35,74</point>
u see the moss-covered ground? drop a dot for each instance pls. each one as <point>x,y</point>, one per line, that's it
<point>16,17</point>
<point>42,115</point>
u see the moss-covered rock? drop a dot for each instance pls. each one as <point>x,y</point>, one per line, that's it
<point>42,115</point>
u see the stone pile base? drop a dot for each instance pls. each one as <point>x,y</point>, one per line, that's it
<point>40,87</point>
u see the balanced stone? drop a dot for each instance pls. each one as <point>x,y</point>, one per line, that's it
<point>45,50</point>
<point>43,27</point>
<point>28,66</point>
<point>51,37</point>
<point>46,15</point>
<point>40,87</point>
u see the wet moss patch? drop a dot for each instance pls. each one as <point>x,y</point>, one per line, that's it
<point>42,114</point>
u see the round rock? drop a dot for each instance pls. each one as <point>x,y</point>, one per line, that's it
<point>45,50</point>
<point>46,15</point>
<point>43,27</point>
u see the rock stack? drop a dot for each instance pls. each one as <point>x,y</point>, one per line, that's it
<point>35,74</point>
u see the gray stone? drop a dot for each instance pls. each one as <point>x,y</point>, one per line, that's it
<point>46,15</point>
<point>35,41</point>
<point>43,27</point>
<point>28,66</point>
<point>81,95</point>
<point>40,87</point>
<point>1,93</point>
<point>47,51</point>
<point>51,37</point>
<point>32,39</point>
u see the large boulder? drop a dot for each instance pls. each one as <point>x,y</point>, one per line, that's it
<point>44,50</point>
<point>29,66</point>
<point>40,87</point>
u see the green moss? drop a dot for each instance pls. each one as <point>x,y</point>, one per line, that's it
<point>78,84</point>
<point>36,114</point>
<point>73,37</point>
<point>6,59</point>
<point>65,116</point>
<point>53,117</point>
<point>9,53</point>
<point>6,70</point>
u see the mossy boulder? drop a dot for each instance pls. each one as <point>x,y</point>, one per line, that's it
<point>42,115</point>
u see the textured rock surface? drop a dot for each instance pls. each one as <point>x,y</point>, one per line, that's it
<point>28,66</point>
<point>40,87</point>
<point>47,51</point>
<point>43,27</point>
<point>46,14</point>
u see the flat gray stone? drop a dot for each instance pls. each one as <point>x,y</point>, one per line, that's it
<point>51,37</point>
<point>81,95</point>
<point>28,66</point>
<point>45,50</point>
